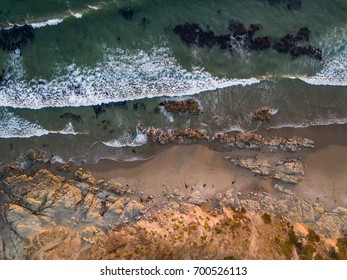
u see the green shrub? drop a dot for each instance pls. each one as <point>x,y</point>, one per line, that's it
<point>266,218</point>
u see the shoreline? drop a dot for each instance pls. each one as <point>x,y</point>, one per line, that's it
<point>183,197</point>
<point>203,163</point>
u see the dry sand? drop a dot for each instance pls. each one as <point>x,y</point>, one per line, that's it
<point>206,170</point>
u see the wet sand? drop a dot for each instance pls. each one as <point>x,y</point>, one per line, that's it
<point>203,167</point>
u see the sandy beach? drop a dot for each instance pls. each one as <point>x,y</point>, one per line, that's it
<point>204,168</point>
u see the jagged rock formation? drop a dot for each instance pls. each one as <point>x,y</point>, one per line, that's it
<point>48,216</point>
<point>288,144</point>
<point>254,141</point>
<point>181,106</point>
<point>262,114</point>
<point>36,202</point>
<point>257,166</point>
<point>287,170</point>
<point>241,140</point>
<point>173,135</point>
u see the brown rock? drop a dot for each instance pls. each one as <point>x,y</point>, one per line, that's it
<point>196,198</point>
<point>288,144</point>
<point>289,171</point>
<point>84,176</point>
<point>249,140</point>
<point>183,106</point>
<point>257,166</point>
<point>22,221</point>
<point>262,114</point>
<point>225,138</point>
<point>173,135</point>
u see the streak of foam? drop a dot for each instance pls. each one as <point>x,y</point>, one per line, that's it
<point>127,140</point>
<point>49,22</point>
<point>308,123</point>
<point>334,72</point>
<point>56,21</point>
<point>123,75</point>
<point>12,126</point>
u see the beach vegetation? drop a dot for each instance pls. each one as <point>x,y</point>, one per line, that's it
<point>231,258</point>
<point>266,218</point>
<point>312,236</point>
<point>342,246</point>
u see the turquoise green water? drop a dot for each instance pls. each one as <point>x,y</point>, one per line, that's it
<point>86,53</point>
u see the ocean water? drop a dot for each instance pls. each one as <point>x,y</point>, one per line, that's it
<point>86,53</point>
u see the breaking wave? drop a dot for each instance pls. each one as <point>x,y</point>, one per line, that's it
<point>12,126</point>
<point>123,75</point>
<point>127,140</point>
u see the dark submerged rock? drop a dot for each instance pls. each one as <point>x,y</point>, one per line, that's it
<point>290,43</point>
<point>16,37</point>
<point>139,106</point>
<point>71,117</point>
<point>127,13</point>
<point>292,5</point>
<point>191,33</point>
<point>144,22</point>
<point>101,109</point>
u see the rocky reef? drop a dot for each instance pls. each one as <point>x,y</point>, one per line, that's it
<point>240,36</point>
<point>181,106</point>
<point>174,135</point>
<point>16,37</point>
<point>241,140</point>
<point>262,114</point>
<point>291,44</point>
<point>193,34</point>
<point>254,141</point>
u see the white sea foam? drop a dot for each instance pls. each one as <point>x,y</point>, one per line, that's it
<point>13,126</point>
<point>307,123</point>
<point>334,72</point>
<point>235,127</point>
<point>126,140</point>
<point>167,115</point>
<point>78,15</point>
<point>57,159</point>
<point>51,22</point>
<point>123,75</point>
<point>69,129</point>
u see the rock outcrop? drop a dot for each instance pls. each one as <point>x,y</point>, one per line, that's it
<point>262,114</point>
<point>287,170</point>
<point>254,141</point>
<point>182,106</point>
<point>34,203</point>
<point>257,166</point>
<point>288,144</point>
<point>174,135</point>
<point>48,216</point>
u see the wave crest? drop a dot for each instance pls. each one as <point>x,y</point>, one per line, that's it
<point>123,75</point>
